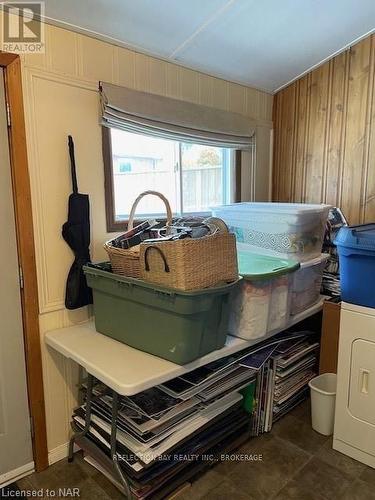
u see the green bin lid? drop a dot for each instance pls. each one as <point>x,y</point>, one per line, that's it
<point>253,267</point>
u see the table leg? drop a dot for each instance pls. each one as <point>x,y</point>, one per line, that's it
<point>90,385</point>
<point>114,455</point>
<point>82,374</point>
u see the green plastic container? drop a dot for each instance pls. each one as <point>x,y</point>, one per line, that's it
<point>257,267</point>
<point>174,325</point>
<point>262,302</point>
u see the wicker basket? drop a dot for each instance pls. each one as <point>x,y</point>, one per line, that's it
<point>190,264</point>
<point>126,261</point>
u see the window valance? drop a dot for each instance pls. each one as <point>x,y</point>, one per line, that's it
<point>151,114</point>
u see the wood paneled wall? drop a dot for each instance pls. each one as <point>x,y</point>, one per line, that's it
<point>324,135</point>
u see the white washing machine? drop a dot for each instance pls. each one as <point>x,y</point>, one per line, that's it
<point>354,432</point>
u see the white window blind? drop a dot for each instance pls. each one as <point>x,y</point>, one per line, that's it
<point>151,114</point>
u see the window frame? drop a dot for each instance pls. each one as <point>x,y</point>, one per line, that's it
<point>114,225</point>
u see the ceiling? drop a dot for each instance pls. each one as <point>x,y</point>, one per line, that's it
<point>264,44</point>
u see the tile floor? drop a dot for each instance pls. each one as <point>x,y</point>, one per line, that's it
<point>297,463</point>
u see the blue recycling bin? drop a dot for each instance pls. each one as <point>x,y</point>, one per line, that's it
<point>356,249</point>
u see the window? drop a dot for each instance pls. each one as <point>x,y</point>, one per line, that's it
<point>193,177</point>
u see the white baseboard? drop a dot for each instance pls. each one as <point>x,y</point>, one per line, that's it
<point>55,455</point>
<point>351,451</point>
<point>60,452</point>
<point>15,475</point>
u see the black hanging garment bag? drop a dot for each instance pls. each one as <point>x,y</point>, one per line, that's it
<point>76,232</point>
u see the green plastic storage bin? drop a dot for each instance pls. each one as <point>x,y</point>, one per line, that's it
<point>174,325</point>
<point>257,267</point>
<point>262,302</point>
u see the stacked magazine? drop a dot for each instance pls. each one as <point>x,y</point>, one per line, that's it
<point>331,275</point>
<point>162,430</point>
<point>283,380</point>
<point>166,433</point>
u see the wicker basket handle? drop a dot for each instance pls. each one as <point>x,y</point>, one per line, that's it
<point>138,199</point>
<point>148,250</point>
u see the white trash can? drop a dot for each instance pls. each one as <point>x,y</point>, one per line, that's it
<point>323,398</point>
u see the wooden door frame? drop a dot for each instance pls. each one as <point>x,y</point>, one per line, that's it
<point>26,255</point>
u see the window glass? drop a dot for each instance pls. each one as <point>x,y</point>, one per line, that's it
<point>193,177</point>
<point>203,179</point>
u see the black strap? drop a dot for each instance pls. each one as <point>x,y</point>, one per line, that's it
<point>147,265</point>
<point>73,164</point>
